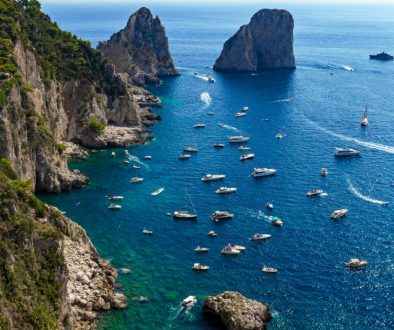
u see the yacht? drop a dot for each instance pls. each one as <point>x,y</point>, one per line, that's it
<point>269,270</point>
<point>199,125</point>
<point>262,171</point>
<point>136,179</point>
<point>356,263</point>
<point>346,152</point>
<point>190,149</point>
<point>199,267</point>
<point>259,237</point>
<point>157,192</point>
<point>218,145</point>
<point>201,249</point>
<point>240,114</point>
<point>213,177</point>
<point>221,215</point>
<point>184,215</point>
<point>184,156</point>
<point>147,232</point>
<point>229,249</point>
<point>189,301</point>
<point>339,214</point>
<point>242,148</point>
<point>245,109</point>
<point>115,198</point>
<point>314,192</point>
<point>324,171</point>
<point>226,190</point>
<point>114,207</point>
<point>364,121</point>
<point>211,233</point>
<point>148,157</point>
<point>246,157</point>
<point>269,206</point>
<point>238,139</point>
<point>276,222</point>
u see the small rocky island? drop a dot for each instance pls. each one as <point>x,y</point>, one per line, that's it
<point>236,312</point>
<point>265,43</point>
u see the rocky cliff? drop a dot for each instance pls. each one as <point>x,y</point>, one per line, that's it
<point>140,50</point>
<point>265,43</point>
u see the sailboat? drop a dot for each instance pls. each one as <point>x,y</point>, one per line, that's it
<point>364,122</point>
<point>186,215</point>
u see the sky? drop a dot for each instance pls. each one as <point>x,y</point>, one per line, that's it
<point>224,2</point>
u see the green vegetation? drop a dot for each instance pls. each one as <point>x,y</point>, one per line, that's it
<point>96,126</point>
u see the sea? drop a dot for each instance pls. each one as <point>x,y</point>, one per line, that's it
<point>316,107</point>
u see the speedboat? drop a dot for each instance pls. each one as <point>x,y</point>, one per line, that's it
<point>189,301</point>
<point>258,237</point>
<point>184,156</point>
<point>211,233</point>
<point>136,179</point>
<point>213,177</point>
<point>269,206</point>
<point>221,215</point>
<point>190,149</point>
<point>143,299</point>
<point>346,152</point>
<point>126,161</point>
<point>226,190</point>
<point>148,157</point>
<point>245,109</point>
<point>244,148</point>
<point>276,222</point>
<point>113,154</point>
<point>147,232</point>
<point>279,136</point>
<point>136,167</point>
<point>240,114</point>
<point>201,249</point>
<point>324,171</point>
<point>356,263</point>
<point>199,125</point>
<point>115,198</point>
<point>246,157</point>
<point>157,192</point>
<point>314,192</point>
<point>339,214</point>
<point>195,73</point>
<point>364,121</point>
<point>229,249</point>
<point>199,267</point>
<point>184,215</point>
<point>218,145</point>
<point>211,79</point>
<point>259,172</point>
<point>238,139</point>
<point>269,270</point>
<point>114,207</point>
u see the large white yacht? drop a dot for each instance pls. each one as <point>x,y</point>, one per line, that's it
<point>346,152</point>
<point>226,190</point>
<point>238,139</point>
<point>213,177</point>
<point>262,171</point>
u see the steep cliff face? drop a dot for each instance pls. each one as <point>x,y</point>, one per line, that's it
<point>265,43</point>
<point>140,49</point>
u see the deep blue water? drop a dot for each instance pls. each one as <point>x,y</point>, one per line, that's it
<point>316,111</point>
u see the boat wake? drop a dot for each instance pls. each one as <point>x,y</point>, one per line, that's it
<point>369,199</point>
<point>136,160</point>
<point>202,77</point>
<point>231,128</point>
<point>289,99</point>
<point>205,98</point>
<point>366,144</point>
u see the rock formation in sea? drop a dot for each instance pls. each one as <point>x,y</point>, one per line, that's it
<point>140,50</point>
<point>265,43</point>
<point>236,312</point>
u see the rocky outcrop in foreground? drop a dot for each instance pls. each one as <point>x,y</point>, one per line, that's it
<point>265,43</point>
<point>140,50</point>
<point>236,312</point>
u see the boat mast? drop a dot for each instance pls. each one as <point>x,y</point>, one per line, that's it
<point>191,202</point>
<point>366,112</point>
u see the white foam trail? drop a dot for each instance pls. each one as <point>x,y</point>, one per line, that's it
<point>289,99</point>
<point>135,159</point>
<point>232,128</point>
<point>205,98</point>
<point>369,199</point>
<point>369,145</point>
<point>205,78</point>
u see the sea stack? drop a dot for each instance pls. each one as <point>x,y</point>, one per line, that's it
<point>265,43</point>
<point>140,50</point>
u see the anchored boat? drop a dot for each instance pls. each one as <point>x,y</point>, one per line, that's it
<point>213,177</point>
<point>339,214</point>
<point>262,172</point>
<point>357,263</point>
<point>346,152</point>
<point>314,192</point>
<point>259,237</point>
<point>246,157</point>
<point>226,190</point>
<point>221,215</point>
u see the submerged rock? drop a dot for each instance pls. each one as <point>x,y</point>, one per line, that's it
<point>236,312</point>
<point>265,43</point>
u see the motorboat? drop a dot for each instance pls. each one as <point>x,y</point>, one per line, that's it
<point>314,192</point>
<point>199,125</point>
<point>189,301</point>
<point>259,237</point>
<point>147,157</point>
<point>211,79</point>
<point>246,156</point>
<point>279,136</point>
<point>245,109</point>
<point>238,247</point>
<point>143,299</point>
<point>147,232</point>
<point>259,172</point>
<point>221,215</point>
<point>218,145</point>
<point>270,270</point>
<point>210,113</point>
<point>115,198</point>
<point>186,215</point>
<point>339,214</point>
<point>114,207</point>
<point>189,149</point>
<point>346,152</point>
<point>157,192</point>
<point>238,139</point>
<point>213,177</point>
<point>201,249</point>
<point>126,161</point>
<point>269,206</point>
<point>226,190</point>
<point>136,179</point>
<point>230,250</point>
<point>197,266</point>
<point>324,171</point>
<point>125,270</point>
<point>242,148</point>
<point>357,263</point>
<point>195,74</point>
<point>364,121</point>
<point>126,152</point>
<point>211,233</point>
<point>240,114</point>
<point>276,222</point>
<point>184,156</point>
<point>113,154</point>
<point>136,167</point>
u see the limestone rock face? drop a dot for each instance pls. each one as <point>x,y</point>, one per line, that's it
<point>140,49</point>
<point>236,312</point>
<point>265,43</point>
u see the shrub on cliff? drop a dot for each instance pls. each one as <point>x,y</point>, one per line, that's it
<point>96,126</point>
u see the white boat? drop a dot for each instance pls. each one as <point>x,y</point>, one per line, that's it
<point>136,167</point>
<point>230,250</point>
<point>213,177</point>
<point>115,198</point>
<point>240,114</point>
<point>226,190</point>
<point>238,139</point>
<point>247,156</point>
<point>126,161</point>
<point>147,157</point>
<point>245,109</point>
<point>279,136</point>
<point>201,249</point>
<point>242,148</point>
<point>184,215</point>
<point>113,154</point>
<point>199,125</point>
<point>211,79</point>
<point>270,270</point>
<point>147,232</point>
<point>218,145</point>
<point>314,192</point>
<point>346,152</point>
<point>238,247</point>
<point>157,192</point>
<point>136,179</point>
<point>339,214</point>
<point>189,301</point>
<point>126,152</point>
<point>189,149</point>
<point>259,172</point>
<point>199,267</point>
<point>221,215</point>
<point>324,171</point>
<point>211,233</point>
<point>364,121</point>
<point>259,237</point>
<point>269,206</point>
<point>114,207</point>
<point>184,156</point>
<point>357,263</point>
<point>210,113</point>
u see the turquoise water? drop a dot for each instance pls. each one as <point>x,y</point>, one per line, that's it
<point>316,112</point>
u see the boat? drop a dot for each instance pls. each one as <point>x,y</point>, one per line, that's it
<point>211,79</point>
<point>210,113</point>
<point>357,263</point>
<point>184,215</point>
<point>269,206</point>
<point>115,198</point>
<point>339,214</point>
<point>259,237</point>
<point>364,121</point>
<point>279,136</point>
<point>213,177</point>
<point>226,190</point>
<point>126,161</point>
<point>201,249</point>
<point>314,192</point>
<point>199,126</point>
<point>346,152</point>
<point>221,215</point>
<point>270,270</point>
<point>190,149</point>
<point>245,109</point>
<point>246,157</point>
<point>238,247</point>
<point>136,179</point>
<point>324,171</point>
<point>259,172</point>
<point>189,301</point>
<point>197,266</point>
<point>240,114</point>
<point>126,152</point>
<point>211,233</point>
<point>157,192</point>
<point>276,222</point>
<point>113,154</point>
<point>238,139</point>
<point>218,145</point>
<point>147,232</point>
<point>195,74</point>
<point>136,167</point>
<point>184,156</point>
<point>114,207</point>
<point>147,157</point>
<point>143,299</point>
<point>242,148</point>
<point>383,56</point>
<point>230,250</point>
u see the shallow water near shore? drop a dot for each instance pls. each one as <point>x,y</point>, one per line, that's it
<point>316,111</point>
